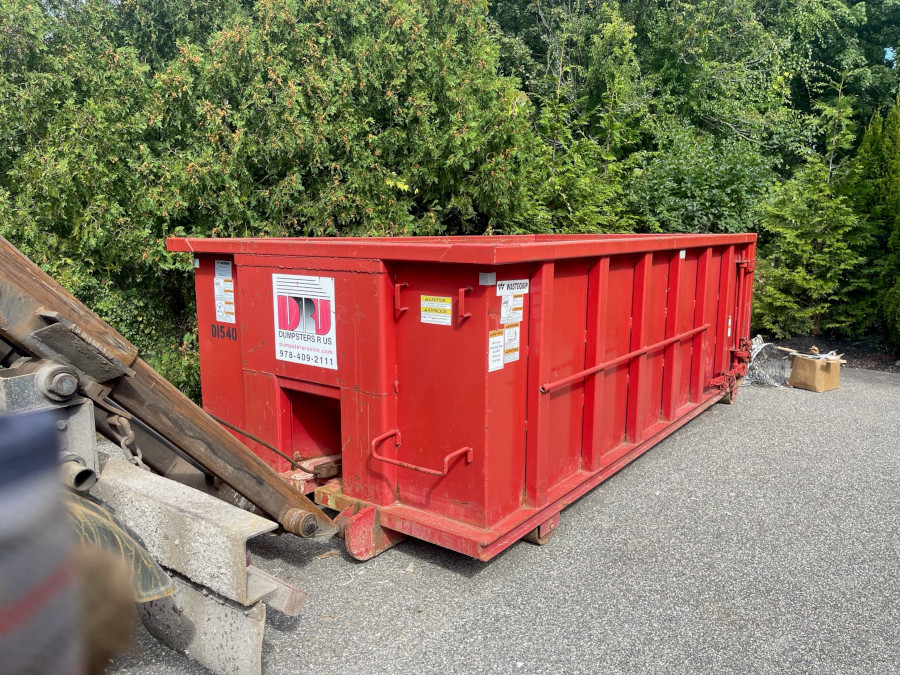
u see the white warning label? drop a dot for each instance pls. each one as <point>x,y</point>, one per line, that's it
<point>512,287</point>
<point>495,350</point>
<point>437,309</point>
<point>511,343</point>
<point>305,320</point>
<point>511,307</point>
<point>223,290</point>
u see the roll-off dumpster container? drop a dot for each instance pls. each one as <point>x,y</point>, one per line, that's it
<point>466,389</point>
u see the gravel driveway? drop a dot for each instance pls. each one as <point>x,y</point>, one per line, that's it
<point>761,537</point>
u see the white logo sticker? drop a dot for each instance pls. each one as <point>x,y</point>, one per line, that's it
<point>305,320</point>
<point>513,287</point>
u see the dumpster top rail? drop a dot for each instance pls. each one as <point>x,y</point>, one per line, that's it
<point>480,250</point>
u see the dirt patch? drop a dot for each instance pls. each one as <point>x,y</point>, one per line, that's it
<point>869,354</point>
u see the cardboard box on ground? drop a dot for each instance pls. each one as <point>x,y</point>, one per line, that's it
<point>815,374</point>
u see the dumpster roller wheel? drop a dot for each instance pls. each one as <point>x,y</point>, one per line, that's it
<point>543,532</point>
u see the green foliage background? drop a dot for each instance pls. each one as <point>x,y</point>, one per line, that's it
<point>123,123</point>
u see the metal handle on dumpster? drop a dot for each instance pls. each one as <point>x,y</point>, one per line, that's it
<point>469,453</point>
<point>550,386</point>
<point>463,314</point>
<point>397,305</point>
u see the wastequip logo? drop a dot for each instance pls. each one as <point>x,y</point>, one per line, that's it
<point>304,320</point>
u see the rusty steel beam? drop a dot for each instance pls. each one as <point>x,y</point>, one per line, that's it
<point>41,319</point>
<point>175,417</point>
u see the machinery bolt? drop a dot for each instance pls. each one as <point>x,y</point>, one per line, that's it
<point>57,382</point>
<point>62,425</point>
<point>63,384</point>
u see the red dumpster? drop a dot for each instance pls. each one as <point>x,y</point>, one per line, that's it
<point>468,388</point>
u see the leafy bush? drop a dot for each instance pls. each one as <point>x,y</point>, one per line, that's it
<point>124,123</point>
<point>695,183</point>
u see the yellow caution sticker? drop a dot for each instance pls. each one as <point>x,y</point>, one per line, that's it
<point>437,309</point>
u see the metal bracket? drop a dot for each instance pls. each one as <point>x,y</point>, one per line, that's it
<point>77,348</point>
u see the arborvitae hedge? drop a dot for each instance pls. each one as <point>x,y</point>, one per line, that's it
<point>124,122</point>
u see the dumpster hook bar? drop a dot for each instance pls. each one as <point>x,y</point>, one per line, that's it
<point>550,386</point>
<point>469,453</point>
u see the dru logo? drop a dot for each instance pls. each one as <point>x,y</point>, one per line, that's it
<point>304,315</point>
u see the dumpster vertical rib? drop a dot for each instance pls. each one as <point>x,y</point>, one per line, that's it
<point>537,437</point>
<point>749,254</point>
<point>598,289</point>
<point>725,308</point>
<point>634,419</point>
<point>738,301</point>
<point>701,340</point>
<point>674,350</point>
<point>734,310</point>
<point>745,271</point>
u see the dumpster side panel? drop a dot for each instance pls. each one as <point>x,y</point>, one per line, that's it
<point>612,337</point>
<point>658,316</point>
<point>567,316</point>
<point>715,317</point>
<point>363,418</point>
<point>265,408</point>
<point>680,354</point>
<point>442,368</point>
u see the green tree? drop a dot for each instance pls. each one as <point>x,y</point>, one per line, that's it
<point>889,201</point>
<point>808,264</point>
<point>122,123</point>
<point>589,101</point>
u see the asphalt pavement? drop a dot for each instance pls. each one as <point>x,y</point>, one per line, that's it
<point>763,536</point>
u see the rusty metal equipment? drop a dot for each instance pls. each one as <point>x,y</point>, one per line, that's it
<point>187,549</point>
<point>466,388</point>
<point>40,320</point>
